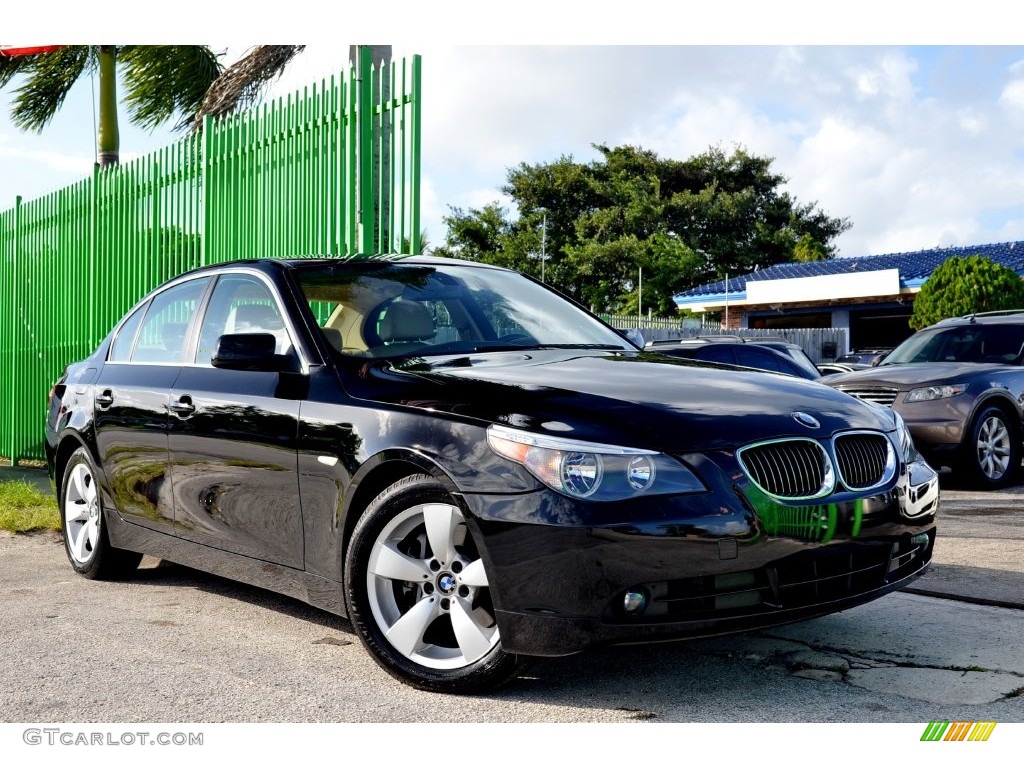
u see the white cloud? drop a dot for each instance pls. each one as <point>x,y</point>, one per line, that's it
<point>19,149</point>
<point>1013,95</point>
<point>888,77</point>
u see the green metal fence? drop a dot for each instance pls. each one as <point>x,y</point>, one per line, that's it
<point>332,170</point>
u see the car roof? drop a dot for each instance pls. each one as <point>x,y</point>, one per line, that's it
<point>338,261</point>
<point>1003,316</point>
<point>702,341</point>
<point>711,345</point>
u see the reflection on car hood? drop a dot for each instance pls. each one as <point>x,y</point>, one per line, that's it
<point>910,375</point>
<point>626,399</point>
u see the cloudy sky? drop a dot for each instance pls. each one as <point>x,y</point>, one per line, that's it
<point>919,146</point>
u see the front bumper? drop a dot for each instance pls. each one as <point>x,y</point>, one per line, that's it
<point>714,563</point>
<point>936,425</point>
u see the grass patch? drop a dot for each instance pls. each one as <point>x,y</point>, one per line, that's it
<point>23,507</point>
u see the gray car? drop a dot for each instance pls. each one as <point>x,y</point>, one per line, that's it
<point>959,386</point>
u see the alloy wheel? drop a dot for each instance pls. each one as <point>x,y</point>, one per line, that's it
<point>82,514</point>
<point>428,591</point>
<point>993,448</point>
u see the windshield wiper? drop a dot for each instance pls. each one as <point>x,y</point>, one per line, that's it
<point>615,347</point>
<point>470,348</point>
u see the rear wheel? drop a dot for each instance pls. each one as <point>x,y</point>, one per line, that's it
<point>418,593</point>
<point>992,451</point>
<point>82,520</point>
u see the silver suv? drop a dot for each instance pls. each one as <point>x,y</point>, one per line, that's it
<point>959,386</point>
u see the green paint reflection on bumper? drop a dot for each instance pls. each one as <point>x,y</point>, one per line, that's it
<point>812,522</point>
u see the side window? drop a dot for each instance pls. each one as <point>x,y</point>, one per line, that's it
<point>121,349</point>
<point>241,304</point>
<point>756,358</point>
<point>165,329</point>
<point>717,355</point>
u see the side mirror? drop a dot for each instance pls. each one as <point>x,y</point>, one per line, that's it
<point>248,352</point>
<point>635,335</point>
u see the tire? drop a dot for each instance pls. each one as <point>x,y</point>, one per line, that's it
<point>417,593</point>
<point>992,453</point>
<point>83,523</point>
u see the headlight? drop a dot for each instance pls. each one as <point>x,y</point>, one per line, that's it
<point>939,392</point>
<point>593,471</point>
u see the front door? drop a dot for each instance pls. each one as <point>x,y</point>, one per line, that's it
<point>233,436</point>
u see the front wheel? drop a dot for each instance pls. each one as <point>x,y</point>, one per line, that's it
<point>82,520</point>
<point>418,593</point>
<point>992,451</point>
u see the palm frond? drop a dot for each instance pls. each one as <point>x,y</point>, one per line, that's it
<point>48,78</point>
<point>166,81</point>
<point>11,66</point>
<point>243,82</point>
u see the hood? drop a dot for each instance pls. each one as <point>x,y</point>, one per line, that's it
<point>631,399</point>
<point>909,375</point>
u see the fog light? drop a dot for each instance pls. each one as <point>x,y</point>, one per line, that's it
<point>634,602</point>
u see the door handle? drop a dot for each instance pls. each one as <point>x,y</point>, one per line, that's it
<point>105,399</point>
<point>183,407</point>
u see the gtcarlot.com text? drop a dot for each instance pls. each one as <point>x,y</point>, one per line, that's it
<point>61,737</point>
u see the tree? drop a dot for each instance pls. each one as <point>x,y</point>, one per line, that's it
<point>684,222</point>
<point>161,82</point>
<point>809,249</point>
<point>962,285</point>
<point>242,83</point>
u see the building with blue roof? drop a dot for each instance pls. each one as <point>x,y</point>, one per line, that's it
<point>871,296</point>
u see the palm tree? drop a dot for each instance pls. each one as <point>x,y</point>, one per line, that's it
<point>161,82</point>
<point>243,82</point>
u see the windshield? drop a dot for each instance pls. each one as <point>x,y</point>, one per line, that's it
<point>975,343</point>
<point>396,309</point>
<point>802,361</point>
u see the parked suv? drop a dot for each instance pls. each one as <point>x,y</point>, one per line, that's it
<point>864,356</point>
<point>959,386</point>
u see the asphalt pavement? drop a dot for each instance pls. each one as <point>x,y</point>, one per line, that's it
<point>176,645</point>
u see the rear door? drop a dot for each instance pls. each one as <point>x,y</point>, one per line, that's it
<point>131,403</point>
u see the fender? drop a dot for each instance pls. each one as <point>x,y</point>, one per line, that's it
<point>990,397</point>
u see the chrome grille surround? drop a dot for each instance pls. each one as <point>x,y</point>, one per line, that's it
<point>802,468</point>
<point>793,468</point>
<point>880,395</point>
<point>864,459</point>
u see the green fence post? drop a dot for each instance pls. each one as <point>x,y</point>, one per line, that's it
<point>11,366</point>
<point>94,307</point>
<point>364,153</point>
<point>417,106</point>
<point>206,167</point>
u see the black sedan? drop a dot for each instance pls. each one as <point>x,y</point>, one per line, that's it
<point>776,357</point>
<point>471,467</point>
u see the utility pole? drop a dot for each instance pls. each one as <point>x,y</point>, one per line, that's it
<point>543,246</point>
<point>640,300</point>
<point>727,301</point>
